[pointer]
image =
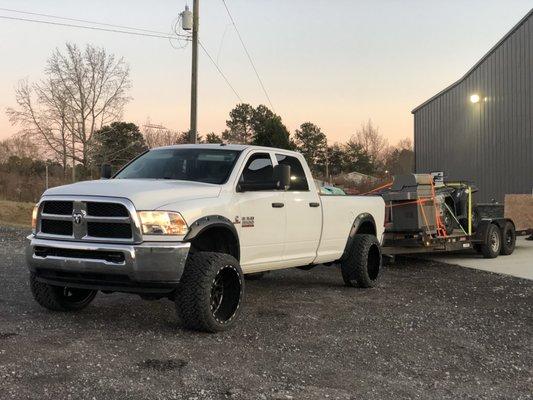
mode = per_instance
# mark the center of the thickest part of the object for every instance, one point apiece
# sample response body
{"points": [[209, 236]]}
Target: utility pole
{"points": [[193, 132], [73, 160], [73, 153], [46, 170]]}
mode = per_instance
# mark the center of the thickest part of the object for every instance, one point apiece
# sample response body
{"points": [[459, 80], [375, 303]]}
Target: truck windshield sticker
{"points": [[247, 222]]}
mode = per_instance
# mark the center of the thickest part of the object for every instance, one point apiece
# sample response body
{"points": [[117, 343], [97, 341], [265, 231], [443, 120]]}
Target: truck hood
{"points": [[146, 194]]}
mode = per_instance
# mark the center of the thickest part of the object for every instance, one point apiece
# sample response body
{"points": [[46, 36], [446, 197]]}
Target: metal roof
{"points": [[528, 15]]}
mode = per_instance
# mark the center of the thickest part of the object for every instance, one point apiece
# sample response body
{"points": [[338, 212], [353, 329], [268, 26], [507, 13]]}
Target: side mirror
{"points": [[282, 174], [105, 171]]}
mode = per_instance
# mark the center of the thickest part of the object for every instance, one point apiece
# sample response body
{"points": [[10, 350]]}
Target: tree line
{"points": [[366, 152], [71, 122]]}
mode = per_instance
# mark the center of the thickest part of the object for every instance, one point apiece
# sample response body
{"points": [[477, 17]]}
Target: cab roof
{"points": [[238, 147]]}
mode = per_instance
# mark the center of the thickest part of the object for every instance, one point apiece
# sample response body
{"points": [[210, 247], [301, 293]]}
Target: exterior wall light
{"points": [[474, 98]]}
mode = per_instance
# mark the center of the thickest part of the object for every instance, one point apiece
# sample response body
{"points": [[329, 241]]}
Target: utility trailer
{"points": [[425, 216], [492, 238]]}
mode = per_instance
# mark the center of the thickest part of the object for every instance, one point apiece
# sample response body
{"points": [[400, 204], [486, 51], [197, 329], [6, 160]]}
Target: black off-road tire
{"points": [[448, 221], [508, 238], [491, 247], [362, 266], [198, 301], [59, 298]]}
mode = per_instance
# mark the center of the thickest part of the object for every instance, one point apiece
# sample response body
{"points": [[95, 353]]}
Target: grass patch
{"points": [[14, 213]]}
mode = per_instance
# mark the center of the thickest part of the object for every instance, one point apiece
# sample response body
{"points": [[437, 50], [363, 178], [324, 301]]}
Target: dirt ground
{"points": [[428, 331], [15, 213]]}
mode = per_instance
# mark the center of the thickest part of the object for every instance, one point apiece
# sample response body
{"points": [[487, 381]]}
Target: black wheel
{"points": [[447, 220], [476, 219], [362, 266], [508, 238], [59, 298], [493, 242], [255, 276], [210, 292]]}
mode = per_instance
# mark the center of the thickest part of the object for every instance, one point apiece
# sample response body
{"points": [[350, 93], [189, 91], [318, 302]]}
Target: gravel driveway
{"points": [[428, 331]]}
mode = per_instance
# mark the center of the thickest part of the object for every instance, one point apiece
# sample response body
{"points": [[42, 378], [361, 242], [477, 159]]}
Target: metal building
{"points": [[481, 127]]}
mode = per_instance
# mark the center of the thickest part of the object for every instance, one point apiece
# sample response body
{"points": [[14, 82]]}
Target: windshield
{"points": [[199, 165]]}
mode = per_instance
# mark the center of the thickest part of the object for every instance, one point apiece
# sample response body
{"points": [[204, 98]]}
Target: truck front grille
{"points": [[87, 219], [54, 227], [106, 209], [110, 230], [58, 207]]}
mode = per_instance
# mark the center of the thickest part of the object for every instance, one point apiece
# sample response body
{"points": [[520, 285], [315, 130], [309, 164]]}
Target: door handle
{"points": [[314, 204], [278, 205]]}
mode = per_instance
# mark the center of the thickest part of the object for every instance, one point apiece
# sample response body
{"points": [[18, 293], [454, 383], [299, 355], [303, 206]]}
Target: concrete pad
{"points": [[519, 264]]}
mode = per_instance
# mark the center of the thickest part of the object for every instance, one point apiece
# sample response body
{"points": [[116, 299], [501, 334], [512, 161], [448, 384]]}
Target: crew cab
{"points": [[188, 222]]}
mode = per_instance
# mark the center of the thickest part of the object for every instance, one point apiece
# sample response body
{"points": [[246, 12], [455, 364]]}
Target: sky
{"points": [[335, 63]]}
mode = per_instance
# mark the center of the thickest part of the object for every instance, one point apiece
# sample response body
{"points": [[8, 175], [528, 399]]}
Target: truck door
{"points": [[261, 223], [304, 215]]}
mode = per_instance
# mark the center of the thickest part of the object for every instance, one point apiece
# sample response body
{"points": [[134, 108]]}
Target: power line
{"points": [[164, 36], [220, 71], [140, 32], [83, 20], [248, 54]]}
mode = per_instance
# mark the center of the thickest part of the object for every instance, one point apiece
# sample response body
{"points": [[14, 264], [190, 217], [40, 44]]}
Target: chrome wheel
{"points": [[495, 242]]}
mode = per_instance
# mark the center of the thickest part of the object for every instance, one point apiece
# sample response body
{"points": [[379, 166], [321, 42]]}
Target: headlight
{"points": [[34, 218], [162, 223]]}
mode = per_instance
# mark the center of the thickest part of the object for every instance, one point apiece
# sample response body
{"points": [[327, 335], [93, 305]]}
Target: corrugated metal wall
{"points": [[490, 142]]}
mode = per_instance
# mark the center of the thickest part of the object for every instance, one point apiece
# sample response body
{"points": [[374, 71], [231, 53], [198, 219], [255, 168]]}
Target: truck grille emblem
{"points": [[78, 217]]}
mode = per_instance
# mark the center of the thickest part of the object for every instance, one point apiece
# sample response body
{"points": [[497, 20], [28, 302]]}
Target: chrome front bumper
{"points": [[70, 262]]}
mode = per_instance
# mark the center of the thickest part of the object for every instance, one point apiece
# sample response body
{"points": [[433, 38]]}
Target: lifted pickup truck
{"points": [[187, 222]]}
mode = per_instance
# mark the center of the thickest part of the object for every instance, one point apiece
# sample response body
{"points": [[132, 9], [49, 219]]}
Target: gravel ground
{"points": [[428, 331]]}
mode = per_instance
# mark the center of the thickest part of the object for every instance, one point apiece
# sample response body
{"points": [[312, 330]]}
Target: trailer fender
{"points": [[483, 226]]}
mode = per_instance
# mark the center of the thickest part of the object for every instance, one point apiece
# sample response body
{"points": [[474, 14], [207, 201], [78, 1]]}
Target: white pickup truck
{"points": [[187, 222]]}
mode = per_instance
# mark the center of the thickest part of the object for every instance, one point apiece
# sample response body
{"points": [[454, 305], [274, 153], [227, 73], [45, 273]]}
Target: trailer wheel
{"points": [[447, 220], [508, 238], [362, 266], [492, 244], [210, 292]]}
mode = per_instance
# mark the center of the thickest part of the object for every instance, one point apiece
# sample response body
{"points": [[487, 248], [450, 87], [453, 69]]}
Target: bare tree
{"points": [[372, 142], [17, 146], [82, 91], [157, 137]]}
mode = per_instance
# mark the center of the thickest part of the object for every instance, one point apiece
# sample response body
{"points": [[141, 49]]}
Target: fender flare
{"points": [[211, 221], [483, 226], [358, 221]]}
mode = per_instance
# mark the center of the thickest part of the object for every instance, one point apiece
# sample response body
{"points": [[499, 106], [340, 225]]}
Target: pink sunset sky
{"points": [[336, 63]]}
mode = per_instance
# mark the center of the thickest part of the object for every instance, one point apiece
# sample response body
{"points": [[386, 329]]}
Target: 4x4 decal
{"points": [[247, 222]]}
